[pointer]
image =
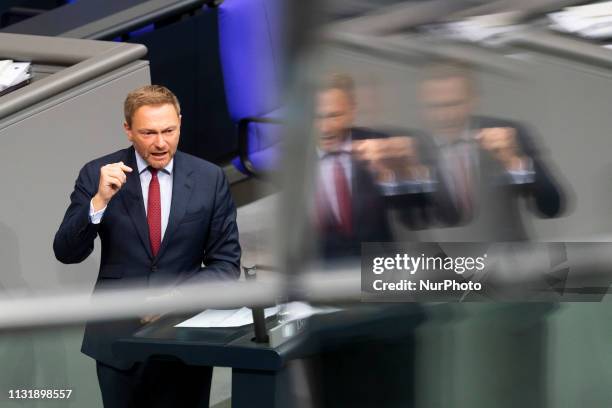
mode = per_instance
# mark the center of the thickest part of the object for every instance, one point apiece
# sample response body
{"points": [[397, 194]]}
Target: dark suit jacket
{"points": [[370, 223], [201, 231], [361, 133]]}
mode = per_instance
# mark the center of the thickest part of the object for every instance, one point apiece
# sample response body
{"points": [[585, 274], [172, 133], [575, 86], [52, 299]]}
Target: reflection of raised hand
{"points": [[396, 147], [389, 158], [112, 178], [502, 143]]}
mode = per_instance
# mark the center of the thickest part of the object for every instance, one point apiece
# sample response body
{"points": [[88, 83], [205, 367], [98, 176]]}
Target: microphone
{"points": [[259, 318]]}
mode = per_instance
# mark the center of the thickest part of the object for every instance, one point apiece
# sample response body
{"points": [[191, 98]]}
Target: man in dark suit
{"points": [[350, 209], [348, 205], [164, 219]]}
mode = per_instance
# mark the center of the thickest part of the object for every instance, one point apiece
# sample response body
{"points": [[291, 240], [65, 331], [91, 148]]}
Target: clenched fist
{"points": [[112, 178], [388, 158], [396, 147], [503, 146]]}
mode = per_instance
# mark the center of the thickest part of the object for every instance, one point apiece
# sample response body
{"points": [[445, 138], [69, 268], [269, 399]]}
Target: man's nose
{"points": [[325, 127], [159, 140]]}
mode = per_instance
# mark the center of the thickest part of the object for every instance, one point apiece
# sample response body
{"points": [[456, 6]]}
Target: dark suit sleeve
{"points": [[371, 211], [74, 240], [546, 196], [222, 250]]}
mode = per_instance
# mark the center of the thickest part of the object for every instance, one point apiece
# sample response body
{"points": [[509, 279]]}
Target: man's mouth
{"points": [[158, 154]]}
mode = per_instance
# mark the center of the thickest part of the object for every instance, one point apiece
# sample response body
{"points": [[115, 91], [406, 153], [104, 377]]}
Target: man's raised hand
{"points": [[112, 178], [502, 143]]}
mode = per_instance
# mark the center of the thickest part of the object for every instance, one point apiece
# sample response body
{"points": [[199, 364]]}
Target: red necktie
{"points": [[464, 186], [343, 194], [154, 212]]}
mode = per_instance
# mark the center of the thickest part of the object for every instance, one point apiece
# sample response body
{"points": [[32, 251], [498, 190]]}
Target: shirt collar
{"points": [[345, 148], [143, 165], [466, 136]]}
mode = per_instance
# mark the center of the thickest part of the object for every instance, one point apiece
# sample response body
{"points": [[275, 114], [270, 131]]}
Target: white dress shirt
{"points": [[165, 190], [458, 157]]}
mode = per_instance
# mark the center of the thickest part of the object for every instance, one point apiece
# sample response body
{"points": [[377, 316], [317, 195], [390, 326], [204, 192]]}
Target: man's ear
{"points": [[128, 131]]}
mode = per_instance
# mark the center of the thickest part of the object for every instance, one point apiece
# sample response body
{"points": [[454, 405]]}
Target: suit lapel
{"points": [[182, 188], [133, 201], [357, 198]]}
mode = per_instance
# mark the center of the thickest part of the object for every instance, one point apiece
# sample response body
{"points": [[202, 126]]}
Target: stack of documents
{"points": [[484, 29], [13, 75], [590, 21]]}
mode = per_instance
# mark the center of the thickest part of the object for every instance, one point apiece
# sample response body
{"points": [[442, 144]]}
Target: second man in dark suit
{"points": [[348, 205]]}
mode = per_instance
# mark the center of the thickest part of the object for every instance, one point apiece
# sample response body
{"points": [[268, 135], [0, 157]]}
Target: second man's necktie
{"points": [[343, 195]]}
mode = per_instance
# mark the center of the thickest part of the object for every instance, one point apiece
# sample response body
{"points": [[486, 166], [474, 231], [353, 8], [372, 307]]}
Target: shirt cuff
{"points": [[525, 175], [407, 187], [95, 216]]}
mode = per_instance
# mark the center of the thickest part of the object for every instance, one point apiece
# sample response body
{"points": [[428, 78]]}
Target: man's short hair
{"points": [[148, 95], [340, 81]]}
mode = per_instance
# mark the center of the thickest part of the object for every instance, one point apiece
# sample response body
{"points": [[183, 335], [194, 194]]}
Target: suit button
{"points": [[153, 268]]}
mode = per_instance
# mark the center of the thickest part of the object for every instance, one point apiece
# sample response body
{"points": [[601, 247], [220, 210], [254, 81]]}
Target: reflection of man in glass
{"points": [[348, 206], [482, 164]]}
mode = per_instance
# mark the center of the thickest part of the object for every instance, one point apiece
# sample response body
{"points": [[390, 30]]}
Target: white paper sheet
{"points": [[590, 21], [225, 317], [4, 64]]}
